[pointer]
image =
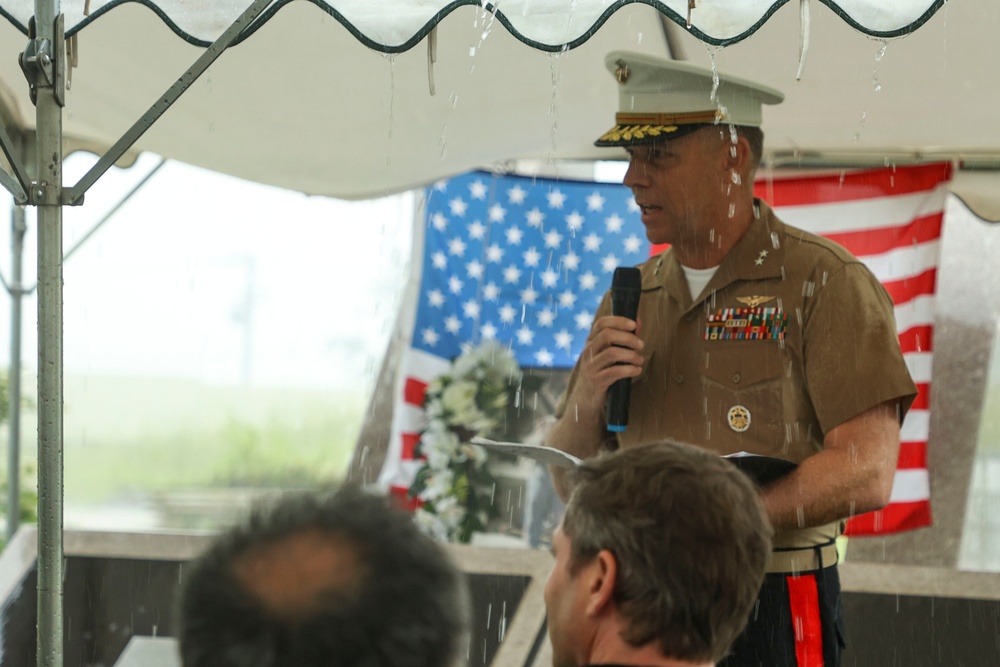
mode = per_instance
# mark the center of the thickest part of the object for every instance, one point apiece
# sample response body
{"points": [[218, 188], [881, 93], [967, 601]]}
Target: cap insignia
{"points": [[621, 71]]}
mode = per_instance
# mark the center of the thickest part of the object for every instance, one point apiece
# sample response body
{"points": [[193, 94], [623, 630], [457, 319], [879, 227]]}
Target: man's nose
{"points": [[635, 175]]}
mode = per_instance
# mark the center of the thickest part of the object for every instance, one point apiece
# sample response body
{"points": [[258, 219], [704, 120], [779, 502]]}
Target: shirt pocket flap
{"points": [[742, 364]]}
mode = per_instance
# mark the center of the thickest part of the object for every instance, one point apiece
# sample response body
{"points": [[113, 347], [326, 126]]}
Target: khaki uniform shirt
{"points": [[791, 337]]}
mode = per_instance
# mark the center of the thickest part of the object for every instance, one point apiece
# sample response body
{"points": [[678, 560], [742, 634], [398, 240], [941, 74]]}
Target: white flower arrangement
{"points": [[453, 484]]}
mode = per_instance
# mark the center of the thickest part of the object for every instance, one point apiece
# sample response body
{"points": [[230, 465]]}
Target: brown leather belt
{"points": [[805, 559]]}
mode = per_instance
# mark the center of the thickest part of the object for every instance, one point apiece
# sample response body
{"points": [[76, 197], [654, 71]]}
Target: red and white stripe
{"points": [[408, 420], [891, 220]]}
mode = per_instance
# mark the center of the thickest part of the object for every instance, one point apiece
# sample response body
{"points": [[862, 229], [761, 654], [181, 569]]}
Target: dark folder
{"points": [[761, 469]]}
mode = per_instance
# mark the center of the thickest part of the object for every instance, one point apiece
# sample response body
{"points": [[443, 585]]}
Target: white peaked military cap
{"points": [[660, 99]]}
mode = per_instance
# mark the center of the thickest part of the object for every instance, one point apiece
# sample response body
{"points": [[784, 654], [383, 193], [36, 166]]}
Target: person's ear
{"points": [[738, 154], [604, 578]]}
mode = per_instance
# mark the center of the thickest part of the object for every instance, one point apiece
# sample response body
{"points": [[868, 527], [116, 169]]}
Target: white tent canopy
{"points": [[393, 26], [312, 99]]}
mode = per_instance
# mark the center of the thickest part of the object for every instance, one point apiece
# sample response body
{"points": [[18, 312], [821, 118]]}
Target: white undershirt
{"points": [[697, 279]]}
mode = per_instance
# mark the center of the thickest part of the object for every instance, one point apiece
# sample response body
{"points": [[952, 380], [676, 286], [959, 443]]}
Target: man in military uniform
{"points": [[752, 336]]}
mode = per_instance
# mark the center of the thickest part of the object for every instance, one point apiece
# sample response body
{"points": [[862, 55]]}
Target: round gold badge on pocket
{"points": [[739, 418]]}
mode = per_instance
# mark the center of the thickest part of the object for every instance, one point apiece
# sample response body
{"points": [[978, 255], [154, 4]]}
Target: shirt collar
{"points": [[758, 255]]}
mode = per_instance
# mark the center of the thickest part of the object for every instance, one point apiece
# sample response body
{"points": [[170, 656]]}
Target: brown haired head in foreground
{"points": [[319, 580], [659, 558]]}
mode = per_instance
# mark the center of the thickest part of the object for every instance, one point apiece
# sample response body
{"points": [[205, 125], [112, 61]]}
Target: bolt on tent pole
{"points": [[49, 79]]}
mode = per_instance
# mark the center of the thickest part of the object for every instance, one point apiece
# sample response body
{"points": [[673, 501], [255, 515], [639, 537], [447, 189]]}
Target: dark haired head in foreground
{"points": [[335, 580], [659, 559]]}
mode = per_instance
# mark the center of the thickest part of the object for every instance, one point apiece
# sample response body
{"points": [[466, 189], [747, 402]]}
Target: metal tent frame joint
{"points": [[43, 62]]}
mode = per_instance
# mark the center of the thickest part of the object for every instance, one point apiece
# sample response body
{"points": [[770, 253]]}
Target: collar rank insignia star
{"points": [[754, 301], [760, 258]]}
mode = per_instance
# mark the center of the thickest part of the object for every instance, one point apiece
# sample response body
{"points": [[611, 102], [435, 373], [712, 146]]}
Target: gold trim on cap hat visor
{"points": [[696, 117], [621, 133]]}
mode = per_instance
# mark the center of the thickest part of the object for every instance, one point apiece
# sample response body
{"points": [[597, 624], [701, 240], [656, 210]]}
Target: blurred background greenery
{"points": [[160, 454]]}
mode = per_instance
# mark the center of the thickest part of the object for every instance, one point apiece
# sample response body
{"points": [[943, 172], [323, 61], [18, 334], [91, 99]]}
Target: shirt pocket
{"points": [[743, 391]]}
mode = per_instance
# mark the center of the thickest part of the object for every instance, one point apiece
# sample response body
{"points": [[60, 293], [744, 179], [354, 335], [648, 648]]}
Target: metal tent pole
{"points": [[44, 64], [17, 230], [50, 89]]}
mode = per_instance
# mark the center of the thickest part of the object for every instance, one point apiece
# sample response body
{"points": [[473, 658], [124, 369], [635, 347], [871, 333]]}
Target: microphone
{"points": [[626, 286]]}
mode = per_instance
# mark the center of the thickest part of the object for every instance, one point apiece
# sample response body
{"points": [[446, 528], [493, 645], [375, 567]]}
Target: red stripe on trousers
{"points": [[803, 598]]}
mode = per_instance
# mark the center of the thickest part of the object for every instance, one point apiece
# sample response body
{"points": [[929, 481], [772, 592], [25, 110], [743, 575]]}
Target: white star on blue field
{"points": [[522, 262]]}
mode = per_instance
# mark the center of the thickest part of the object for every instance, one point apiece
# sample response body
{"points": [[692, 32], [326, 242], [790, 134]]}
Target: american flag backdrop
{"points": [[891, 220], [526, 261]]}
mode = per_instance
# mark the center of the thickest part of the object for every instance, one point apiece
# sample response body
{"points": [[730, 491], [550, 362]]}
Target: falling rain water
{"points": [[876, 86], [712, 51], [391, 57], [489, 18], [502, 626], [555, 76]]}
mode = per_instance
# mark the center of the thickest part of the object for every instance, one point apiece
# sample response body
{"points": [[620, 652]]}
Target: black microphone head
{"points": [[626, 286], [627, 278]]}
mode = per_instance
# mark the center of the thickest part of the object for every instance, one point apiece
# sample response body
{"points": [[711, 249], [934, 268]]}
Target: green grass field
{"points": [[132, 436]]}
